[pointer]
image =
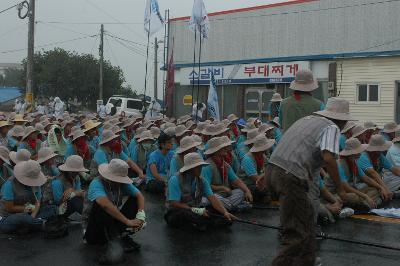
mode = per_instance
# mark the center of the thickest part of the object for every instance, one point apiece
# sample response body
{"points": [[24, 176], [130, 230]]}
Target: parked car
{"points": [[129, 106]]}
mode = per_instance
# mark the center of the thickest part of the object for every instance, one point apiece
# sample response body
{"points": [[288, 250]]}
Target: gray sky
{"points": [[13, 31]]}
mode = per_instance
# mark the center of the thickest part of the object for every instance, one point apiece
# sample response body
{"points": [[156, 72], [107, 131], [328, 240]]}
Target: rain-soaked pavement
{"points": [[239, 245]]}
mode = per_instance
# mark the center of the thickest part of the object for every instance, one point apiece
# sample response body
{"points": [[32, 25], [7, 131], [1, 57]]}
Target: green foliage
{"points": [[69, 74], [12, 78]]}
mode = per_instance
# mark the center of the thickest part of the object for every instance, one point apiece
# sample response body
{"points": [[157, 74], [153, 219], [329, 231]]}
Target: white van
{"points": [[129, 106]]}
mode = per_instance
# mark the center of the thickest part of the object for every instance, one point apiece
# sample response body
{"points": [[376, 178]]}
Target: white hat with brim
{"points": [[275, 121], [17, 132], [45, 154], [146, 135], [304, 81], [358, 130], [108, 136], [391, 127], [233, 118], [77, 134], [262, 143], [353, 147], [28, 131], [248, 127], [336, 109], [349, 125], [215, 130], [265, 128], [4, 155], [192, 160], [29, 174], [20, 156], [181, 130], [139, 132], [115, 171], [215, 145], [276, 98], [186, 144], [378, 143], [251, 136], [74, 163]]}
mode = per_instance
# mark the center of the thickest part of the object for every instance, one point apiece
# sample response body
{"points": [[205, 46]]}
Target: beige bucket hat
{"points": [[146, 135], [40, 128], [378, 143], [67, 122], [128, 122], [28, 131], [349, 125], [170, 131], [115, 171], [181, 130], [353, 146], [251, 136], [73, 129], [192, 160], [139, 132], [248, 127], [20, 156], [189, 124], [233, 118], [155, 131], [215, 129], [5, 155], [183, 119], [45, 154], [29, 174], [5, 124], [264, 128], [304, 81], [89, 125], [46, 123], [117, 130], [216, 144], [390, 127], [370, 125], [337, 109], [19, 118], [74, 163], [77, 134], [276, 98], [226, 122], [108, 136], [18, 131], [262, 143], [357, 131], [187, 143], [200, 128], [107, 126]]}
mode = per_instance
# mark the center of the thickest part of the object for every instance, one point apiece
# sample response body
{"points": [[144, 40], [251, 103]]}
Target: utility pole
{"points": [[155, 69], [31, 51], [101, 51]]}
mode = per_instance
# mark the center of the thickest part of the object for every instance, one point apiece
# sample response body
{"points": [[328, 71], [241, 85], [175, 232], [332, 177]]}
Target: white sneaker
{"points": [[346, 212]]}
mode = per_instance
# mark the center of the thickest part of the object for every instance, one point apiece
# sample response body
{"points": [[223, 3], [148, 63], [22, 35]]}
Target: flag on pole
{"points": [[199, 20], [170, 83], [153, 21], [212, 102]]}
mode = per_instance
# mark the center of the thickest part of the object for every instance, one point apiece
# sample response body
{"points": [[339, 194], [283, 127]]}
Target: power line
{"points": [[129, 48], [91, 23], [61, 28], [4, 10], [111, 51], [13, 29], [122, 39]]}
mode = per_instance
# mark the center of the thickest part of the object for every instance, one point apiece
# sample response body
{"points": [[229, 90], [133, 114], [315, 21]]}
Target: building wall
{"points": [[383, 71]]}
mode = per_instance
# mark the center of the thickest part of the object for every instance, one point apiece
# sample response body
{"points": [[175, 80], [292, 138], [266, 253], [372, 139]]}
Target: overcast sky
{"points": [[13, 31]]}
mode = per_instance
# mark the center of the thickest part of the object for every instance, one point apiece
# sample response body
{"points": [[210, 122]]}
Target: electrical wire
{"points": [[109, 49], [122, 39], [4, 10], [13, 30], [91, 23], [61, 28]]}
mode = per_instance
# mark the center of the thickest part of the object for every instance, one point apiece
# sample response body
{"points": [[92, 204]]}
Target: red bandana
{"points": [[82, 148], [374, 157], [229, 158], [222, 167], [32, 143], [260, 161], [235, 131], [297, 96], [352, 166], [116, 146]]}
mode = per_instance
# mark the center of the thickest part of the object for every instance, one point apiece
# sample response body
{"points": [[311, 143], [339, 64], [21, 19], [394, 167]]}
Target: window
{"points": [[134, 105], [368, 93], [116, 102]]}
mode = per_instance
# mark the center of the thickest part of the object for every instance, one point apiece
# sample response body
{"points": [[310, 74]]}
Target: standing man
{"points": [[301, 103], [310, 144]]}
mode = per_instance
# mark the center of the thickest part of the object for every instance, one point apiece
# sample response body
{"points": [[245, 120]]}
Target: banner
{"points": [[153, 21], [212, 101]]}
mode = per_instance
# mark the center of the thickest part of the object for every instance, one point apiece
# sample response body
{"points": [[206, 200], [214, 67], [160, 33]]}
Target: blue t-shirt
{"points": [[249, 166], [342, 142], [100, 156], [346, 178], [7, 191], [96, 190], [58, 188], [173, 168], [161, 161], [386, 136], [242, 151], [365, 163], [94, 143], [321, 182], [175, 193], [12, 143], [132, 147], [207, 173]]}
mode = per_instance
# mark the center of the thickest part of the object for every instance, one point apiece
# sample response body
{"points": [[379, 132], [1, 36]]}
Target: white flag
{"points": [[199, 20], [212, 102], [153, 21]]}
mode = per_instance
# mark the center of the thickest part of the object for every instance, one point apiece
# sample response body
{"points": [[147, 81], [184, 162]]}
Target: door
{"points": [[258, 102], [397, 114]]}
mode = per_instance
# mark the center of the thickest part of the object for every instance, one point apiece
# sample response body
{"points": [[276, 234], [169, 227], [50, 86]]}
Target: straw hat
{"points": [[215, 130], [349, 125], [139, 132], [20, 156], [276, 122], [357, 131], [108, 136], [200, 128], [73, 129], [45, 154], [226, 122], [146, 135], [40, 128], [170, 131], [232, 118], [304, 81], [337, 109], [19, 118], [115, 171], [262, 143], [187, 143], [66, 122], [77, 134], [378, 143], [74, 163], [370, 125], [29, 174], [197, 138], [28, 131], [353, 146], [216, 144], [192, 160], [248, 127], [155, 131], [5, 124], [147, 124], [276, 98], [181, 130], [5, 154], [390, 127], [18, 131], [251, 136], [264, 128], [90, 124]]}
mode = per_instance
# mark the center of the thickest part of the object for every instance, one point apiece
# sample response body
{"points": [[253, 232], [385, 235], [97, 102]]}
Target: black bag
{"points": [[56, 227]]}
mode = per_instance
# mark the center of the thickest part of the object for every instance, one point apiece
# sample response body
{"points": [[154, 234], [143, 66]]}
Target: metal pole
{"points": [[31, 51], [198, 80], [155, 69], [222, 100], [147, 67], [101, 51], [194, 65], [165, 61]]}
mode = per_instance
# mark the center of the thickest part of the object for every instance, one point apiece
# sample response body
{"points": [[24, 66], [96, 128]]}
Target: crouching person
{"points": [[114, 210], [20, 208], [187, 192]]}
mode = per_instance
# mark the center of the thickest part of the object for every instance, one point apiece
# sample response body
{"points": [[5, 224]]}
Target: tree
{"points": [[12, 77], [68, 75]]}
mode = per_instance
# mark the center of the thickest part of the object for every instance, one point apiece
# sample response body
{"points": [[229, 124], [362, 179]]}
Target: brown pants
{"points": [[297, 218]]}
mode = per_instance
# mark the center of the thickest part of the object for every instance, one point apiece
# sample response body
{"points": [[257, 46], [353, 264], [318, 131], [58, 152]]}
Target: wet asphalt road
{"points": [[239, 245]]}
